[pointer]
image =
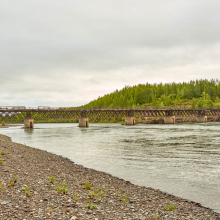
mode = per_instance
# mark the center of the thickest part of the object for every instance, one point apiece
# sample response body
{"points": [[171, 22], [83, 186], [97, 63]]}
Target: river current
{"points": [[181, 159]]}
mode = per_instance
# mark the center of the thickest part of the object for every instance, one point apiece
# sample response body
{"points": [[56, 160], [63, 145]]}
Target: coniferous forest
{"points": [[194, 94]]}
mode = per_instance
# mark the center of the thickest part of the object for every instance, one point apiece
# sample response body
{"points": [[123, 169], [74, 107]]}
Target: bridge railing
{"points": [[11, 108], [29, 108]]}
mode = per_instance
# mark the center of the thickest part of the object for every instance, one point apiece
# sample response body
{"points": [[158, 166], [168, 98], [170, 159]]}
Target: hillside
{"points": [[194, 94]]}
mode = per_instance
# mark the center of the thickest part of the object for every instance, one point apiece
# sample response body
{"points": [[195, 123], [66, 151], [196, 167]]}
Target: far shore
{"points": [[10, 125]]}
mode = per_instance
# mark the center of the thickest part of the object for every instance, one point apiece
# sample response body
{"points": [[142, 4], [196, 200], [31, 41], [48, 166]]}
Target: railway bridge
{"points": [[28, 115]]}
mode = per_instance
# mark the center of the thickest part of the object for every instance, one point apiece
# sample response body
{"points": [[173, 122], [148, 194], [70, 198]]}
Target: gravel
{"points": [[108, 198]]}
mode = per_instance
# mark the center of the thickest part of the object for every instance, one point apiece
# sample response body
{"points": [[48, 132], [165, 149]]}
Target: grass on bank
{"points": [[61, 188], [14, 181], [87, 186], [26, 190], [171, 207], [51, 179], [91, 206], [2, 187]]}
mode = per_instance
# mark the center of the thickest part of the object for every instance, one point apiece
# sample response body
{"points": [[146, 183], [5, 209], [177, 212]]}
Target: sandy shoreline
{"points": [[33, 167]]}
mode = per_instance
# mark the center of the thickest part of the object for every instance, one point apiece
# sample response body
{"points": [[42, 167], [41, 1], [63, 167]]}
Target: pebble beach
{"points": [[35, 184]]}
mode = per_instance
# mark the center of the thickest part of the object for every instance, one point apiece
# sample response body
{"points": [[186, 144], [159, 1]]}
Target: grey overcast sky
{"points": [[69, 52]]}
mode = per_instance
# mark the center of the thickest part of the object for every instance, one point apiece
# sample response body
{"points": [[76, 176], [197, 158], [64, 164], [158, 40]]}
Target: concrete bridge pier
{"points": [[201, 118], [83, 122], [216, 118], [169, 119], [130, 120], [29, 123]]}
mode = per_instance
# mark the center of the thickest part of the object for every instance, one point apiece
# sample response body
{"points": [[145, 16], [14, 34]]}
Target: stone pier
{"points": [[201, 119], [130, 120], [169, 119], [216, 118], [29, 123], [83, 122]]}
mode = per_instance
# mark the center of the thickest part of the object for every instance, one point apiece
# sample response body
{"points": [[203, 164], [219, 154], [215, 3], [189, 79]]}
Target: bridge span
{"points": [[28, 115]]}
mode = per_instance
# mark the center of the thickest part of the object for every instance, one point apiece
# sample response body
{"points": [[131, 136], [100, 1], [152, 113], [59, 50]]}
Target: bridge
{"points": [[28, 115]]}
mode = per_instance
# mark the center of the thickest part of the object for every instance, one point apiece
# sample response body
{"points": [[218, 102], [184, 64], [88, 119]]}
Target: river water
{"points": [[183, 160]]}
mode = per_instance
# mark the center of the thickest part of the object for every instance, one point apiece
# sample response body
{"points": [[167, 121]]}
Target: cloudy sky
{"points": [[69, 52]]}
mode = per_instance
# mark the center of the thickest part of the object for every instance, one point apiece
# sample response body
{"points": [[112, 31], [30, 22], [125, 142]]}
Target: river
{"points": [[181, 159]]}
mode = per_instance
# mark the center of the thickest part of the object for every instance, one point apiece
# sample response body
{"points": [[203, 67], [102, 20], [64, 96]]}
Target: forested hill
{"points": [[194, 94]]}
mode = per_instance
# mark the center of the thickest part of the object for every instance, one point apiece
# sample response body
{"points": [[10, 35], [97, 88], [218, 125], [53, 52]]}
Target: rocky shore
{"points": [[35, 184]]}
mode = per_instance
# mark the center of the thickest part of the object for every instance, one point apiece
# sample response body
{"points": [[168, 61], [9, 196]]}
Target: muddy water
{"points": [[183, 160]]}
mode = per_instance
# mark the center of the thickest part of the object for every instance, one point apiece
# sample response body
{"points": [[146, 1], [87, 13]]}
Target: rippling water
{"points": [[183, 160]]}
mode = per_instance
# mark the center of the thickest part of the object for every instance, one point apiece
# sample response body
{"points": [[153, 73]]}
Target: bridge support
{"points": [[201, 118], [83, 122], [130, 120], [28, 123], [216, 118], [169, 119]]}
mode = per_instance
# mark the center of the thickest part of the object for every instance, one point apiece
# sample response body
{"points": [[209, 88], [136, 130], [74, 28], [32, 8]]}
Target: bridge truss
{"points": [[18, 114]]}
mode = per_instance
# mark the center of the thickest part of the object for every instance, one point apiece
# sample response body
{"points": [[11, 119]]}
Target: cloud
{"points": [[66, 53]]}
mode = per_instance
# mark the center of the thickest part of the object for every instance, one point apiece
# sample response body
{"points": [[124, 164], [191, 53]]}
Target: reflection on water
{"points": [[183, 160], [29, 131]]}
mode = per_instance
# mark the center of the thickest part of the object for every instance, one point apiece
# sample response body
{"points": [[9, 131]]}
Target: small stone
{"points": [[4, 202], [89, 212]]}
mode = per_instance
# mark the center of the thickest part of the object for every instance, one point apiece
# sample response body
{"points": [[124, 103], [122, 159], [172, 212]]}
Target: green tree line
{"points": [[195, 94]]}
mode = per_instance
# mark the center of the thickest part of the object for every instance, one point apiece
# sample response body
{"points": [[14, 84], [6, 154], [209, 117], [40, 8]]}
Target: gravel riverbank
{"points": [[78, 192]]}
